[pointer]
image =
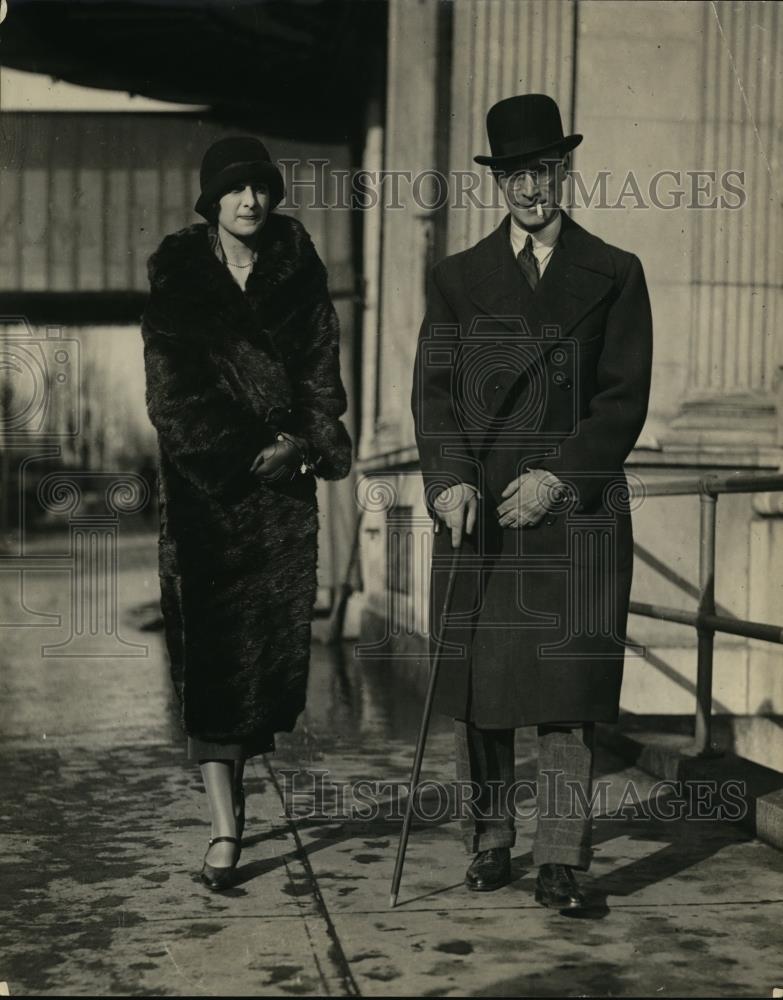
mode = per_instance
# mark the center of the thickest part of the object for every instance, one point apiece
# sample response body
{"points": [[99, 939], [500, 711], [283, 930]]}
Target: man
{"points": [[530, 389]]}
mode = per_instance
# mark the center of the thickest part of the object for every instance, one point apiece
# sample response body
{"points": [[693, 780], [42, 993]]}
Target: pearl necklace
{"points": [[231, 262]]}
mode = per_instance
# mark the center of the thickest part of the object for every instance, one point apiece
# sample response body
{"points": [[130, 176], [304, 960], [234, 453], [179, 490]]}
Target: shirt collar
{"points": [[543, 241]]}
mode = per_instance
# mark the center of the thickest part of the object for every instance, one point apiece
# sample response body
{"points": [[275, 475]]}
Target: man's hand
{"points": [[456, 507], [528, 497]]}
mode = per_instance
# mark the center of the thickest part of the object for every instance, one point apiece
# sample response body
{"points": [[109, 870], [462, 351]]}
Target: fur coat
{"points": [[227, 369]]}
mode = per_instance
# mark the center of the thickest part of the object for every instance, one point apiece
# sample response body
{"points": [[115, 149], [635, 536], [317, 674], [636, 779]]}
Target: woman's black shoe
{"points": [[220, 878], [557, 888]]}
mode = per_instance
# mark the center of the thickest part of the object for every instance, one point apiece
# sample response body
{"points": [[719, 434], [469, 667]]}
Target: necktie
{"points": [[527, 261]]}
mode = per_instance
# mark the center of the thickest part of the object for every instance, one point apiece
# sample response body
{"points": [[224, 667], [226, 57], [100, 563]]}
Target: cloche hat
{"points": [[233, 159]]}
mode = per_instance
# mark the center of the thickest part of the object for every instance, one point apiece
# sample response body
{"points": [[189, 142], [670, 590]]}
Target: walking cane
{"points": [[425, 722]]}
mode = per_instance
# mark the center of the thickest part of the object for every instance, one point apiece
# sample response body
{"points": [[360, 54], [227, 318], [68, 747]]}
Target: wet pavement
{"points": [[104, 824]]}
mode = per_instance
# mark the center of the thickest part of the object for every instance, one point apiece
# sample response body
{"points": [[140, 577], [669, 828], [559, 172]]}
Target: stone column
{"points": [[729, 410], [500, 49], [409, 153]]}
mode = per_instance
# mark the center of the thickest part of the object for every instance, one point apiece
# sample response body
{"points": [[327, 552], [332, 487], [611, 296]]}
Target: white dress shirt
{"points": [[543, 241]]}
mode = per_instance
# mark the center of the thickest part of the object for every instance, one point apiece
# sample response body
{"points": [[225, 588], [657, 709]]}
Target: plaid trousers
{"points": [[485, 758]]}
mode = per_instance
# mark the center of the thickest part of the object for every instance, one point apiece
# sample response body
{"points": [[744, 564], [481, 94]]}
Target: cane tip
{"points": [[392, 900]]}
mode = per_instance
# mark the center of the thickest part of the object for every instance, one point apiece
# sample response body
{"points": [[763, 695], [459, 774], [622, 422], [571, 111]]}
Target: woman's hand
{"points": [[279, 459]]}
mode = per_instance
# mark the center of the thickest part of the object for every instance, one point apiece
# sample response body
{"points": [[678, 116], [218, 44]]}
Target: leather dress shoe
{"points": [[489, 870], [219, 878], [557, 888]]}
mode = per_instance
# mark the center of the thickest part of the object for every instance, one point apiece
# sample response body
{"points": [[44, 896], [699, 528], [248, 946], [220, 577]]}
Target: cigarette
{"points": [[539, 210]]}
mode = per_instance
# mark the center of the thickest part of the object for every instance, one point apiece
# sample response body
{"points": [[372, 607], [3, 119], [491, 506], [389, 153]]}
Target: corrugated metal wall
{"points": [[85, 198]]}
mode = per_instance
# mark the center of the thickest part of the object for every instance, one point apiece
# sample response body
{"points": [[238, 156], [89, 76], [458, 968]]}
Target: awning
{"points": [[298, 68]]}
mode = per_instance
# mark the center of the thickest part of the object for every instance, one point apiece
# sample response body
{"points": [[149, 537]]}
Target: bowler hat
{"points": [[523, 128], [233, 159]]}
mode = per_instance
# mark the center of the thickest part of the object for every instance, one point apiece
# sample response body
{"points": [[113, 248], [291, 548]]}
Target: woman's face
{"points": [[243, 209]]}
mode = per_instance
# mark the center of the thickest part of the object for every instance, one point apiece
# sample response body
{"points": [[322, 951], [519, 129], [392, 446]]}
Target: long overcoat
{"points": [[509, 379], [226, 370]]}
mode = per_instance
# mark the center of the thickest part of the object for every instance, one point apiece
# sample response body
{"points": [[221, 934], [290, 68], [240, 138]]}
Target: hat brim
{"points": [[225, 179], [564, 145]]}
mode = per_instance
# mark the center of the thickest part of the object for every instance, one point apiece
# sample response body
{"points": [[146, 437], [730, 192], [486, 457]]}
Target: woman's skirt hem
{"points": [[199, 749]]}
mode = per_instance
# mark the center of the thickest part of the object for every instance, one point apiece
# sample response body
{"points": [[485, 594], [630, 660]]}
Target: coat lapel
{"points": [[493, 279], [579, 274]]}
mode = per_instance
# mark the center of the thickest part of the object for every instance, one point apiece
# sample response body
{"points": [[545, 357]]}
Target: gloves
{"points": [[285, 457]]}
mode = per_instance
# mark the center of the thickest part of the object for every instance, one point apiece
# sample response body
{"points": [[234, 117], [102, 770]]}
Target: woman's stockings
{"points": [[239, 773], [218, 778]]}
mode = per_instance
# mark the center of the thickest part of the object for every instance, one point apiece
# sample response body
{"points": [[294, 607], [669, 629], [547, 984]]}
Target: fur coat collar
{"points": [[193, 296]]}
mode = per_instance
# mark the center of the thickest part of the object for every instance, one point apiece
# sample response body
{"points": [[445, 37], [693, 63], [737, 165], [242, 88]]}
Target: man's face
{"points": [[530, 184], [243, 209]]}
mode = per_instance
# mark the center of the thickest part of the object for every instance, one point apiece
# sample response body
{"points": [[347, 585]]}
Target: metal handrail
{"points": [[706, 621], [714, 485]]}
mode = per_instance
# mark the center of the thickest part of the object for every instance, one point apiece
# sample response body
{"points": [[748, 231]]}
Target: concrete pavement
{"points": [[103, 826]]}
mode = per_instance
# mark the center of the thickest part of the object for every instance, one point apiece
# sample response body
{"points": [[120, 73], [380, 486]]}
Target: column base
{"points": [[732, 430]]}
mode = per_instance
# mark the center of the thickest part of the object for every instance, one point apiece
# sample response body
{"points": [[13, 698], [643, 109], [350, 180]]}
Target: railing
{"points": [[705, 620]]}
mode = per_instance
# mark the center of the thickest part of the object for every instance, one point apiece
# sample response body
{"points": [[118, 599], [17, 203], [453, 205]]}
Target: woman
{"points": [[243, 387]]}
